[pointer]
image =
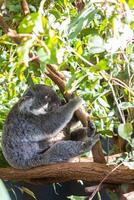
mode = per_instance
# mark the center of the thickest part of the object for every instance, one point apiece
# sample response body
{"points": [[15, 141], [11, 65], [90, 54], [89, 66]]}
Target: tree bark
{"points": [[92, 172]]}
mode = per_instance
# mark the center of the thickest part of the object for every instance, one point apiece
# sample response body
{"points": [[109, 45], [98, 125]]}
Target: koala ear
{"points": [[29, 93]]}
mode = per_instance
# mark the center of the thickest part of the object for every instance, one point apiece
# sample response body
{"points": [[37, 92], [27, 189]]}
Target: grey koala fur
{"points": [[31, 128]]}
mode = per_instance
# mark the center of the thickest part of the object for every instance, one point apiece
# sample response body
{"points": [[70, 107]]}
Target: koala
{"points": [[32, 126]]}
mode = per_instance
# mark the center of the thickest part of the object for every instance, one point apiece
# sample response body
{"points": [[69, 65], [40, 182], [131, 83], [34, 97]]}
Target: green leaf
{"points": [[96, 45], [126, 105], [23, 51], [55, 13], [100, 66], [107, 133], [131, 3], [43, 56], [132, 142], [103, 103], [112, 195], [72, 197], [4, 195], [28, 23], [125, 131], [3, 162], [81, 21]]}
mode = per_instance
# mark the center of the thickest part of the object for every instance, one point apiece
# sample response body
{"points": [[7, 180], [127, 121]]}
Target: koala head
{"points": [[39, 99]]}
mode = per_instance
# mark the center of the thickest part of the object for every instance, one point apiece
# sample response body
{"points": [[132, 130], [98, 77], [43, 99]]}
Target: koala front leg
{"points": [[45, 126], [55, 121]]}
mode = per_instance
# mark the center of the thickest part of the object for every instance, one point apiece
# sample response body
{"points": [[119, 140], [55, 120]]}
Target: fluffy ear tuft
{"points": [[29, 93]]}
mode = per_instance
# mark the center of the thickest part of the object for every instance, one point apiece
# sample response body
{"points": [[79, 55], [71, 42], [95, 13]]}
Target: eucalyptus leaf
{"points": [[103, 102], [102, 65], [28, 23], [73, 197], [96, 45], [125, 131], [4, 195], [126, 105], [75, 27], [43, 56], [107, 133]]}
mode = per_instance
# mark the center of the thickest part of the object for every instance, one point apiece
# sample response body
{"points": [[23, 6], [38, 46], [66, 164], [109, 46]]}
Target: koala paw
{"points": [[89, 143]]}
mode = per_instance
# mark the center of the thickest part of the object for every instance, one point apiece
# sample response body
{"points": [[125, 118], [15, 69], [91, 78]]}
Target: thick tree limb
{"points": [[92, 172]]}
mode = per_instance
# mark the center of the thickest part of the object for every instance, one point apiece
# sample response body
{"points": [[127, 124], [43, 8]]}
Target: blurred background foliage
{"points": [[91, 42]]}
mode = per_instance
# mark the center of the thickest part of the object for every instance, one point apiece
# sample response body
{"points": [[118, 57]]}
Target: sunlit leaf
{"points": [[23, 51], [81, 21], [131, 3], [102, 65], [103, 103], [125, 131], [96, 45], [27, 24], [126, 105], [4, 195], [43, 56]]}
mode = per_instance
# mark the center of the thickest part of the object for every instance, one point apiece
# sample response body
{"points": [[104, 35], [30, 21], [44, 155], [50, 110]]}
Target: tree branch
{"points": [[92, 172], [25, 7]]}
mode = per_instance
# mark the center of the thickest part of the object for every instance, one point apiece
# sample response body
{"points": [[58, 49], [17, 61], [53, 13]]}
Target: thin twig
{"points": [[98, 187], [25, 7], [116, 101]]}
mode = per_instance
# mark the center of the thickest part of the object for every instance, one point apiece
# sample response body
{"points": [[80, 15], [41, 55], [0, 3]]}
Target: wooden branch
{"points": [[55, 71], [92, 172], [25, 7], [98, 153], [7, 30], [3, 25], [79, 5]]}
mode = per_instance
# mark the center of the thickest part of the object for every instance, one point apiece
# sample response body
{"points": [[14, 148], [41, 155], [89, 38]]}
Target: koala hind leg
{"points": [[60, 152]]}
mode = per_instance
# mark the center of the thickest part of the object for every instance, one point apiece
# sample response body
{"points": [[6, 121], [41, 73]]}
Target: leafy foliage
{"points": [[93, 47], [3, 191]]}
